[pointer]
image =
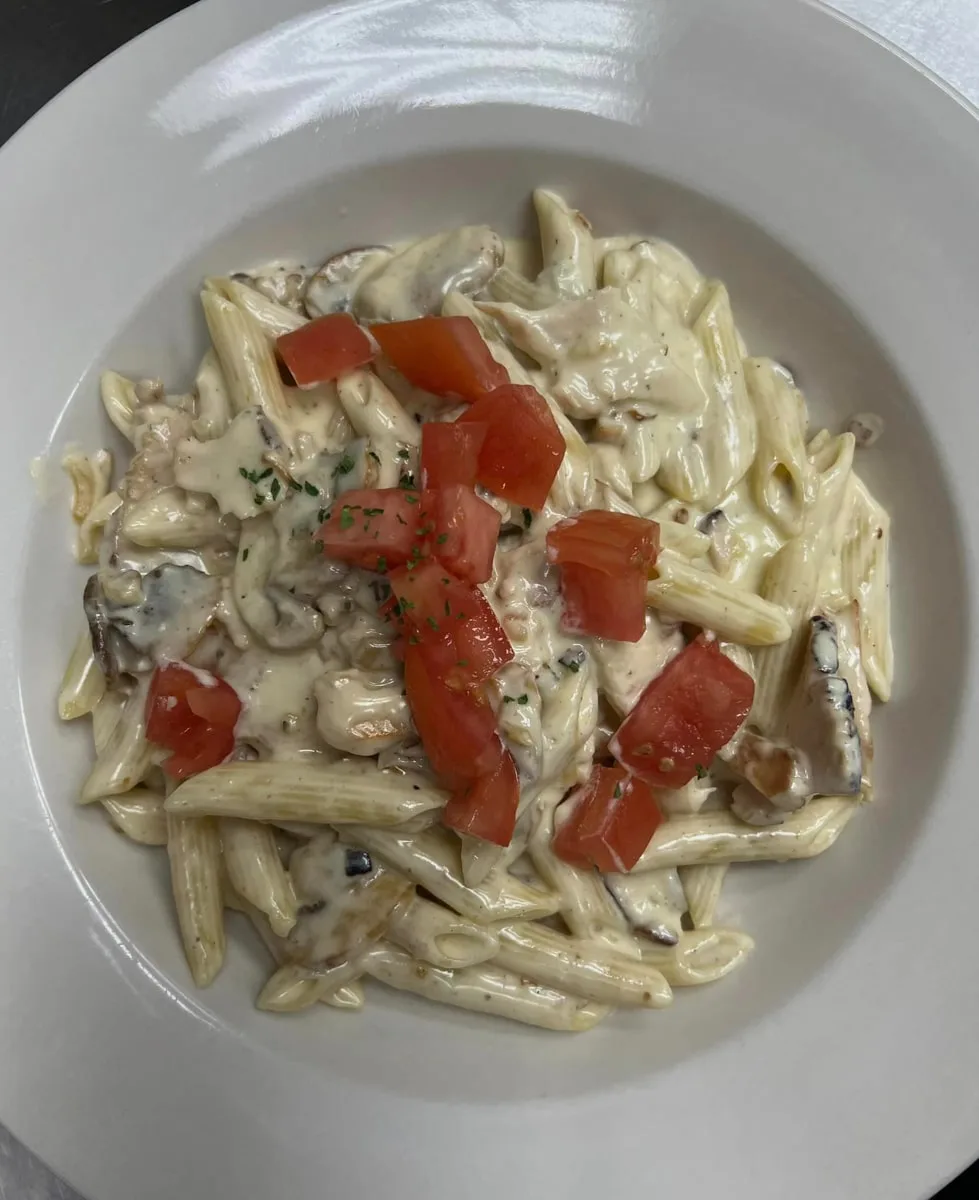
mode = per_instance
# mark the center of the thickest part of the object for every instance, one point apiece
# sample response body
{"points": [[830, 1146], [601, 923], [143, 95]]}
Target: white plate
{"points": [[842, 1062]]}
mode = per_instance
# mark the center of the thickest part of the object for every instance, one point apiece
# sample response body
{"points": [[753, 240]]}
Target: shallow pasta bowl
{"points": [[833, 187]]}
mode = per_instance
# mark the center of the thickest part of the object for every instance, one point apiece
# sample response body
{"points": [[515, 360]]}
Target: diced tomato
{"points": [[324, 349], [607, 606], [374, 528], [450, 452], [487, 808], [684, 716], [523, 448], [443, 355], [604, 541], [457, 729], [453, 621], [193, 714], [612, 818], [464, 531]]}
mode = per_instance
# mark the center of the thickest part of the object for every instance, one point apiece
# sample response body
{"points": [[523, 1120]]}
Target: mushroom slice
{"points": [[158, 617], [822, 721], [345, 907], [750, 806], [361, 712], [333, 288], [415, 282]]}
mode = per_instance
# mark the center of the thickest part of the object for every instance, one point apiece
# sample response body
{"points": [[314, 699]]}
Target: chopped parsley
{"points": [[375, 457], [265, 474], [431, 621], [572, 660], [442, 539], [382, 563], [401, 519], [344, 466], [296, 487], [373, 512], [311, 489], [410, 499], [404, 454], [323, 515], [617, 794], [274, 488], [507, 699], [244, 555], [701, 771], [259, 498], [346, 517], [448, 609], [407, 480], [528, 518]]}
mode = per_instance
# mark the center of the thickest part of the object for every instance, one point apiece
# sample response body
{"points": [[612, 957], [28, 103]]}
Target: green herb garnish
{"points": [[344, 466], [346, 517], [311, 489], [528, 518]]}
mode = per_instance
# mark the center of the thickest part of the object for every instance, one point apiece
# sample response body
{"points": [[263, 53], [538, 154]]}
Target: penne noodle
{"points": [[582, 968], [105, 717], [83, 684], [194, 849], [272, 318], [567, 246], [865, 577], [374, 411], [432, 860], [256, 871], [686, 593], [140, 815], [120, 402], [126, 756], [293, 988], [783, 480], [439, 936], [702, 887], [339, 793], [703, 956], [484, 989], [720, 837], [213, 402]]}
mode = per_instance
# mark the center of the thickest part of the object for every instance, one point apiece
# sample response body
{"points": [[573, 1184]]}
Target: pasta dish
{"points": [[473, 613]]}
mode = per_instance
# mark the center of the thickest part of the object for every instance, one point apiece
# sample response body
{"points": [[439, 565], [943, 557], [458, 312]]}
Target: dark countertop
{"points": [[44, 45]]}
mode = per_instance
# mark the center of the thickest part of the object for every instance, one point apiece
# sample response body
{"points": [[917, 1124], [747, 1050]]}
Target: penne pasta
{"points": [[865, 577], [720, 837], [126, 756], [703, 956], [339, 793], [140, 815], [567, 246], [432, 861], [532, 951], [783, 480], [194, 849], [272, 318], [484, 989], [83, 684], [686, 593], [702, 887], [439, 936], [256, 871]]}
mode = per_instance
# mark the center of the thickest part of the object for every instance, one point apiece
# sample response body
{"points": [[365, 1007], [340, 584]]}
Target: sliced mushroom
{"points": [[158, 617], [822, 721], [750, 806], [342, 912], [415, 282], [333, 288], [361, 712]]}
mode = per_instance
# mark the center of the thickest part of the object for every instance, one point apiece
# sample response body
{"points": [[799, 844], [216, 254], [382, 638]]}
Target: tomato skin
{"points": [[613, 817], [464, 531], [443, 355], [487, 808], [684, 716], [453, 620], [450, 453], [457, 729], [606, 606], [604, 541], [192, 717], [523, 448], [324, 349], [374, 528]]}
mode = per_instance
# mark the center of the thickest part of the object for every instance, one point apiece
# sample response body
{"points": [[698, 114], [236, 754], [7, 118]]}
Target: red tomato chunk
{"points": [[684, 716], [606, 606], [463, 530], [450, 453], [453, 620], [193, 714], [324, 349], [612, 818], [374, 528], [443, 355], [487, 808], [523, 448], [604, 541], [457, 729]]}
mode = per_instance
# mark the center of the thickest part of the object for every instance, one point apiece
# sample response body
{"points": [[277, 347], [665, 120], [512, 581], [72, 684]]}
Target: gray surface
{"points": [[46, 43]]}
